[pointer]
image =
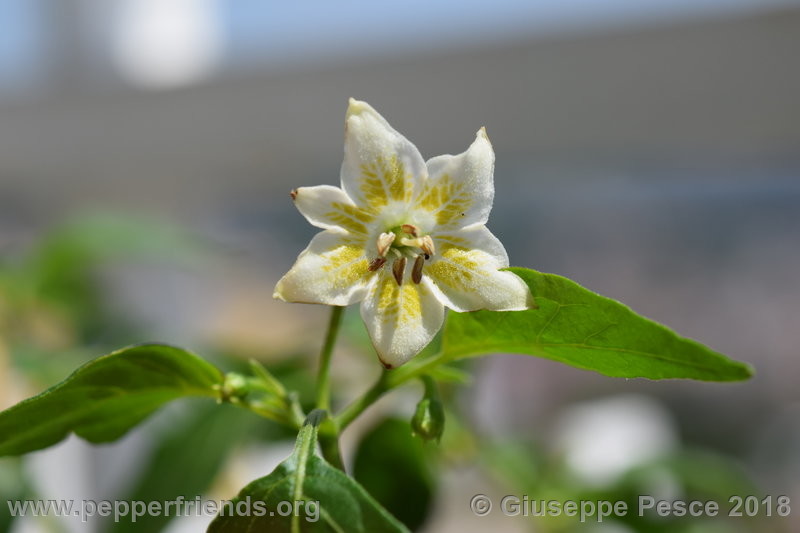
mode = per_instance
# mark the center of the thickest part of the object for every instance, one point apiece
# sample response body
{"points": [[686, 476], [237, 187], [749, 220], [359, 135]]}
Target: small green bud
{"points": [[234, 388], [428, 420]]}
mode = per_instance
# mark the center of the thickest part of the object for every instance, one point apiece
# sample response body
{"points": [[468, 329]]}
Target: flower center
{"points": [[401, 243]]}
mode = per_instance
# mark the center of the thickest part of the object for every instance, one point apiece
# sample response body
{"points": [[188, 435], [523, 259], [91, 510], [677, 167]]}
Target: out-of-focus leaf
{"points": [[13, 487], [186, 461], [697, 476], [450, 374], [520, 464], [390, 464], [100, 236], [305, 478], [703, 474], [580, 328], [106, 397]]}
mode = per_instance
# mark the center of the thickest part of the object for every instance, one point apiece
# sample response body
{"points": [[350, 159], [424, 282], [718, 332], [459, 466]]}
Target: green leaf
{"points": [[106, 397], [305, 478], [14, 487], [390, 464], [580, 328]]}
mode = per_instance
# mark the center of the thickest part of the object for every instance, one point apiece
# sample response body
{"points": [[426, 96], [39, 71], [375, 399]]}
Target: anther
{"points": [[293, 194], [398, 269], [385, 241], [427, 246], [376, 263], [410, 229], [416, 272]]}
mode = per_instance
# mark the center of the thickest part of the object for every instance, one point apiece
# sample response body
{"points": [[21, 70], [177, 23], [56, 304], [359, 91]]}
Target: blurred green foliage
{"points": [[53, 312], [186, 460], [55, 315], [393, 466], [684, 474]]}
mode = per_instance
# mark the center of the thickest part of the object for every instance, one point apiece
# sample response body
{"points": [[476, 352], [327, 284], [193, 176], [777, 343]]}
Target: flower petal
{"points": [[401, 319], [333, 270], [460, 188], [328, 207], [465, 273], [380, 165]]}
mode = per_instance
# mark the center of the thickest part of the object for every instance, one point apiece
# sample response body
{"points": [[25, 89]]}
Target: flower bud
{"points": [[428, 420], [234, 388]]}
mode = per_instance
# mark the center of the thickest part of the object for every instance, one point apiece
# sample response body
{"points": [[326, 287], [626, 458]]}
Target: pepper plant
{"points": [[407, 240]]}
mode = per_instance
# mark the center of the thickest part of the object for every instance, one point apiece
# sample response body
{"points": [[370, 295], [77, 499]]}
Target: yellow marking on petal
{"points": [[384, 181], [412, 308], [447, 199], [399, 303], [340, 256], [450, 241], [346, 265], [456, 268], [389, 293], [350, 217]]}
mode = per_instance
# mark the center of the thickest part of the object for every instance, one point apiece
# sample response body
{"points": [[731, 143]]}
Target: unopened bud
{"points": [[428, 420], [233, 388]]}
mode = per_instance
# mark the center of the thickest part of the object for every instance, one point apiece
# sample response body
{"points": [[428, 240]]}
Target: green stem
{"points": [[329, 444], [352, 411], [431, 390], [388, 380], [324, 377], [296, 414]]}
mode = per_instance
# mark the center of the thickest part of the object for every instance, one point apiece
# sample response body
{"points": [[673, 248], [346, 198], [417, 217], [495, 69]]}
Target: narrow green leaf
{"points": [[106, 397], [285, 501], [580, 328]]}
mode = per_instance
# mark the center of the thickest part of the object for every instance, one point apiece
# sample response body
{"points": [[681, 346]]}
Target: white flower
{"points": [[404, 237]]}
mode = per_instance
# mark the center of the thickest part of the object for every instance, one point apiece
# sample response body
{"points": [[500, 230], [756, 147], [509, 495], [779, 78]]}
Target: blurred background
{"points": [[648, 150]]}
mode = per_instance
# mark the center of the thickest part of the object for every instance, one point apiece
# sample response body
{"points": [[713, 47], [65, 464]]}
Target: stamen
{"points": [[427, 245], [398, 269], [416, 272], [410, 229], [376, 263], [385, 241]]}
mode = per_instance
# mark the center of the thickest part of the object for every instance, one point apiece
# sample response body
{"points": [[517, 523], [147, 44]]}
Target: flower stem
{"points": [[323, 377], [387, 381], [352, 411], [329, 443]]}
